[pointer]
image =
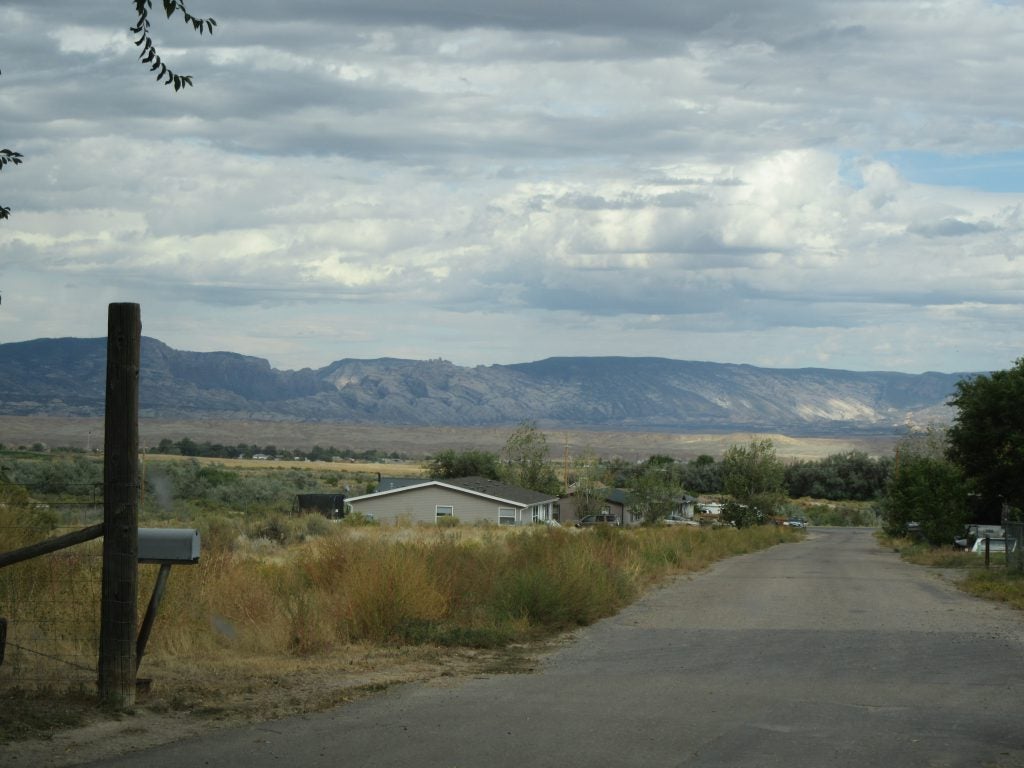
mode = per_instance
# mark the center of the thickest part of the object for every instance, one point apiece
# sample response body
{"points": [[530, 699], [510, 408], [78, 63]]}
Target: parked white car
{"points": [[994, 545]]}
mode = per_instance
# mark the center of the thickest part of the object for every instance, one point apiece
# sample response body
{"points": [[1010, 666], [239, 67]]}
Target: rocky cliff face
{"points": [[66, 377]]}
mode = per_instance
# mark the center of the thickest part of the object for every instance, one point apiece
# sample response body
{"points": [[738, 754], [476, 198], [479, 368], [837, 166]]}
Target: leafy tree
{"points": [[587, 490], [654, 492], [188, 447], [526, 460], [450, 463], [617, 471], [926, 488], [841, 476], [754, 477], [703, 475], [987, 436]]}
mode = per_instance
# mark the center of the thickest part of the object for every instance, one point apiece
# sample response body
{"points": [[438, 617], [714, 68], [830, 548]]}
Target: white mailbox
{"points": [[168, 545]]}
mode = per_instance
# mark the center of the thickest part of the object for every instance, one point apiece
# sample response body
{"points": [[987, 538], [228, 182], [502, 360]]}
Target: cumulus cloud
{"points": [[732, 181]]}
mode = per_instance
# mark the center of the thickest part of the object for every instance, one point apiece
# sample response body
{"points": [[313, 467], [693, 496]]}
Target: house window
{"points": [[506, 516], [440, 511]]}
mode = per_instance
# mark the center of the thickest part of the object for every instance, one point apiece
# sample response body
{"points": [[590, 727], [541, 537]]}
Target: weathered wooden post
{"points": [[120, 508]]}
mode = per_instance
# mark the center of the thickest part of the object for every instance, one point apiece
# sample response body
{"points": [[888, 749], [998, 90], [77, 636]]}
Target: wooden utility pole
{"points": [[120, 508]]}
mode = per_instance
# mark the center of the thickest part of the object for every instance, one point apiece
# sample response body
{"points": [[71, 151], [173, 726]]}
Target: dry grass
{"points": [[256, 631], [996, 582]]}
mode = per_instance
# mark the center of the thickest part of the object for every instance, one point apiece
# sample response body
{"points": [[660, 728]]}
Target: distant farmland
{"points": [[419, 442]]}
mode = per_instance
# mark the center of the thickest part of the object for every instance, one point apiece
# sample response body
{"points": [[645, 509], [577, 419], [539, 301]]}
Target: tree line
{"points": [[757, 482], [851, 476], [188, 447], [971, 472]]}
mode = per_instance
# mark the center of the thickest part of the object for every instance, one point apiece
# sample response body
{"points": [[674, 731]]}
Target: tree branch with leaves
{"points": [[149, 54], [8, 157]]}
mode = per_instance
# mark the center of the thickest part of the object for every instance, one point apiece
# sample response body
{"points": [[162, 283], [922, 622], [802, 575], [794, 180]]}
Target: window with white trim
{"points": [[506, 516], [443, 511]]}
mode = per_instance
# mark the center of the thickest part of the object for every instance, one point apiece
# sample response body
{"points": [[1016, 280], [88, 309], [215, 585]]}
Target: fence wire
{"points": [[51, 605], [1014, 541]]}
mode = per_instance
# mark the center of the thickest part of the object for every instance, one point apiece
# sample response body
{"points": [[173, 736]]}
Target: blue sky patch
{"points": [[999, 172]]}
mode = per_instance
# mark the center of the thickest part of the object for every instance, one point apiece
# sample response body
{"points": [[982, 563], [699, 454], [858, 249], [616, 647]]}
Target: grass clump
{"points": [[1000, 585]]}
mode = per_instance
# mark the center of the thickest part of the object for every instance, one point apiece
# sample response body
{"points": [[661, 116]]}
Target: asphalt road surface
{"points": [[830, 652]]}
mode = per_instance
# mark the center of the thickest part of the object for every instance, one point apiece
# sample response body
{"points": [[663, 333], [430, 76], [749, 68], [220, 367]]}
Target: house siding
{"points": [[419, 505]]}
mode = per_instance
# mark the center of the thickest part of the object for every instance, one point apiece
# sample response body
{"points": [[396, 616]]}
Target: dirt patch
{"points": [[188, 699]]}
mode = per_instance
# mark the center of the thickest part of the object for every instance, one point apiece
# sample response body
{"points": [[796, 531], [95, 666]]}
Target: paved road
{"points": [[826, 653]]}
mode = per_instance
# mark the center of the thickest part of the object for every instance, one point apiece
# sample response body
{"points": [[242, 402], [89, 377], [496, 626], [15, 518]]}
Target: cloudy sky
{"points": [[787, 184]]}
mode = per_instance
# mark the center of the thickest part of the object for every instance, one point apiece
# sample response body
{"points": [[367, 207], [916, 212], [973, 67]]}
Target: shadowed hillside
{"points": [[65, 377]]}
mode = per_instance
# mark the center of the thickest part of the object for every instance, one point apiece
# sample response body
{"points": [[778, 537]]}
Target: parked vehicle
{"points": [[974, 533], [994, 545], [590, 520], [796, 522]]}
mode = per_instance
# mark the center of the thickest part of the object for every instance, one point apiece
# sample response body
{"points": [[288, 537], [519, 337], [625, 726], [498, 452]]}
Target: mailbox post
{"points": [[166, 547]]}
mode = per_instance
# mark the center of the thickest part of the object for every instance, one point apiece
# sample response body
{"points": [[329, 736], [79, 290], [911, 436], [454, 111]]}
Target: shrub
{"points": [[357, 519]]}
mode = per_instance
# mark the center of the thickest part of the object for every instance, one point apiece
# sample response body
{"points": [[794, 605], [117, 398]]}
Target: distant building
{"points": [[469, 499]]}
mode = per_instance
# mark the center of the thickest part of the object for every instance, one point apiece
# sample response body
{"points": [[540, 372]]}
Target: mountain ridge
{"points": [[66, 377]]}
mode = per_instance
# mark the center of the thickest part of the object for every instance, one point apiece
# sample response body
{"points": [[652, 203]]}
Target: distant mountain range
{"points": [[66, 377]]}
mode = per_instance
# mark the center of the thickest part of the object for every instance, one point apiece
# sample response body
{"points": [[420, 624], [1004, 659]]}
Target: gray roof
{"points": [[391, 483], [502, 490]]}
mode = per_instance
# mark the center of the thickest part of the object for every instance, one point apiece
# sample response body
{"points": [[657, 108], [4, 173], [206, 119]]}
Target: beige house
{"points": [[469, 499]]}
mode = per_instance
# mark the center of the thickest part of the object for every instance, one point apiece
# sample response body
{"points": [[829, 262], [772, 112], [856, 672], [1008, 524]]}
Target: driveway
{"points": [[830, 652]]}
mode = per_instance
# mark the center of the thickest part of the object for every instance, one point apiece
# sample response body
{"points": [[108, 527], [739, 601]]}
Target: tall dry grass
{"points": [[306, 595], [51, 603], [481, 587]]}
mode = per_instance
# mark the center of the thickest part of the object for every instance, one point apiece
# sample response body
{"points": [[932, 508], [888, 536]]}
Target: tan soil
{"points": [[204, 697]]}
